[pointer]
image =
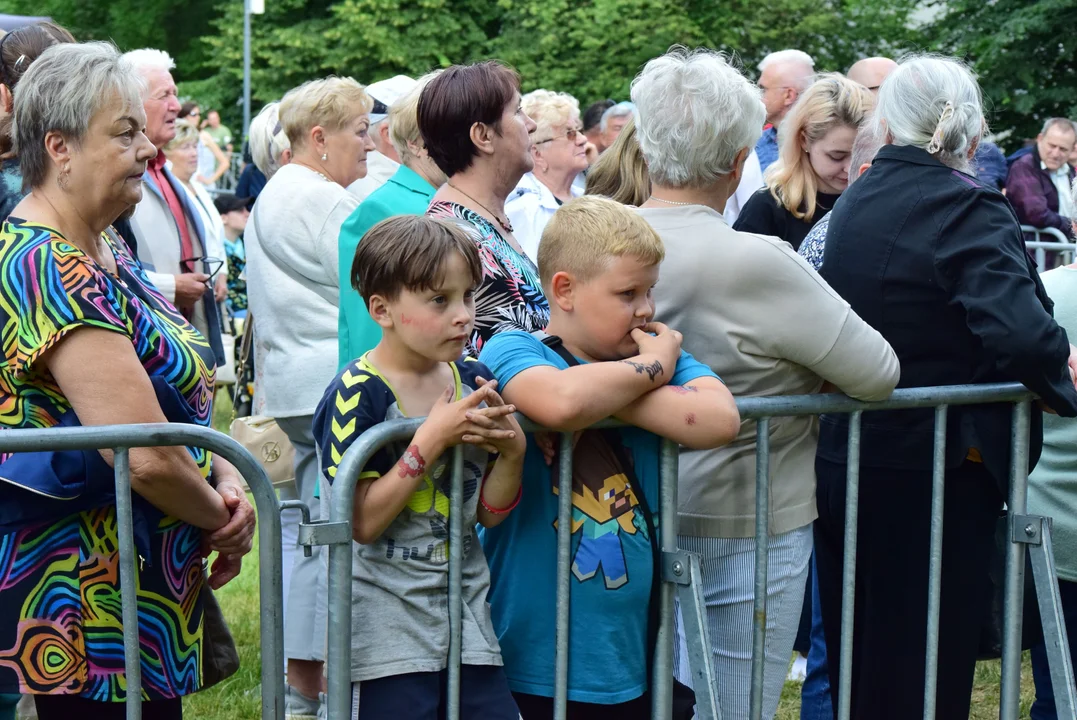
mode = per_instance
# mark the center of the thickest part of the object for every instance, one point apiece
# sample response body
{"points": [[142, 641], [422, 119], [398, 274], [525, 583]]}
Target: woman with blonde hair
{"points": [[621, 172], [812, 171], [559, 148]]}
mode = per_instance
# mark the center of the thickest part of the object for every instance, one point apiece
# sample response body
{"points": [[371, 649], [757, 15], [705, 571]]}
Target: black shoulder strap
{"points": [[613, 440]]}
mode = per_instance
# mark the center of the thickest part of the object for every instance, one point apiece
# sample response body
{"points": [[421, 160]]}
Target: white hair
{"points": [[267, 140], [62, 92], [621, 109], [148, 59], [799, 59], [695, 113], [1063, 124], [933, 103]]}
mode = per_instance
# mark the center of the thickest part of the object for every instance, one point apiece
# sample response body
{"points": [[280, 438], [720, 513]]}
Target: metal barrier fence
{"points": [[1060, 244], [121, 438], [680, 571]]}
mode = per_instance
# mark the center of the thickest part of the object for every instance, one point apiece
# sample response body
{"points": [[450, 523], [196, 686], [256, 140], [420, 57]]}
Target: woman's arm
{"points": [[223, 161], [101, 376]]}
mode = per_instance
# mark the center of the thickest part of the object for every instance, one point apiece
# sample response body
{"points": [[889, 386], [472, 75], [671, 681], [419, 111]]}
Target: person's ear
{"points": [[379, 311], [973, 148], [317, 139], [59, 149], [738, 164], [863, 169], [285, 156], [7, 100], [563, 290], [482, 136], [383, 133]]}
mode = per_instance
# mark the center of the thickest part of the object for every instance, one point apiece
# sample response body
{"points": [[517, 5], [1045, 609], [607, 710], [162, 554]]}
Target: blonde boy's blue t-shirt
{"points": [[611, 557]]}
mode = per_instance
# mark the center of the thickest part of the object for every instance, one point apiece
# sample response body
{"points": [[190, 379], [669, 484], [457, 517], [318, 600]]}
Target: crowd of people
{"points": [[452, 248]]}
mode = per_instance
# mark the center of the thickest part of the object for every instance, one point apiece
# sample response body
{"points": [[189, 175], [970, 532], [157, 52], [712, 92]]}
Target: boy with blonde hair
{"points": [[601, 356], [418, 276]]}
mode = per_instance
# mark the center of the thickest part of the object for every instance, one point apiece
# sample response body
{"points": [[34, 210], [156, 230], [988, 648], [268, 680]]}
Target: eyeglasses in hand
{"points": [[213, 265]]}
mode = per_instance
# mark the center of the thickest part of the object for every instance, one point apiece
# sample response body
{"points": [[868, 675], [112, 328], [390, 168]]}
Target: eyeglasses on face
{"points": [[571, 134]]}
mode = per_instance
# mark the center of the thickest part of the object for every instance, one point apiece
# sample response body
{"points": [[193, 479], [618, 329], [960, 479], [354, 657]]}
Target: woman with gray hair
{"points": [[935, 261], [751, 309], [89, 340]]}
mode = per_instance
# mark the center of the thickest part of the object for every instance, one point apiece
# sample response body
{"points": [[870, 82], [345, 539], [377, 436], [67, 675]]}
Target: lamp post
{"points": [[250, 7]]}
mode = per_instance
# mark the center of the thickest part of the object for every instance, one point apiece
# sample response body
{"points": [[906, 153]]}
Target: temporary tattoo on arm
{"points": [[690, 419], [652, 370], [411, 463], [681, 389]]}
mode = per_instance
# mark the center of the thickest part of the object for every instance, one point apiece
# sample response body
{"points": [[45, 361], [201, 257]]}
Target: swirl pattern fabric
{"points": [[61, 630]]}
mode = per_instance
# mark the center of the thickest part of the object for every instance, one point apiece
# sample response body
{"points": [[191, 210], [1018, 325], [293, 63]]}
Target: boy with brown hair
{"points": [[417, 276], [601, 356]]}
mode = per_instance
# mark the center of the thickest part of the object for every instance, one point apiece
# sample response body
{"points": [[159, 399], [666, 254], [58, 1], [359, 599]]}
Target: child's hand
{"points": [[500, 433], [447, 424], [665, 345], [549, 443]]}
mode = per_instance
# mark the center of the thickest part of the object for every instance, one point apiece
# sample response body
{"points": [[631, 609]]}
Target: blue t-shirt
{"points": [[611, 555]]}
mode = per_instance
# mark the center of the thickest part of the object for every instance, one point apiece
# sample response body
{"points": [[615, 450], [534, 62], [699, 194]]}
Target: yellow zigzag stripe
{"points": [[346, 406], [351, 381], [337, 457], [343, 433]]}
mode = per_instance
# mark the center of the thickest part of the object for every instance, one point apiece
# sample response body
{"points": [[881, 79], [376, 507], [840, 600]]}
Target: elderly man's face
{"points": [[162, 107], [614, 126], [779, 92], [1055, 146]]}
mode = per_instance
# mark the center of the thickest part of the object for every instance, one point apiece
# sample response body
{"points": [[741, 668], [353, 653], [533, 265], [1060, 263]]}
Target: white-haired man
{"points": [[783, 76], [383, 162], [170, 235]]}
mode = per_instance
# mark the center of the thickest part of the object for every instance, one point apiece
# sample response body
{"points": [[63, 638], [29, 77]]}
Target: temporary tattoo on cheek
{"points": [[652, 370], [681, 390], [404, 319], [690, 419], [411, 463]]}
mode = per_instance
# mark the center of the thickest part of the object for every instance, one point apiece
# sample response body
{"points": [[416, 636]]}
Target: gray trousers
{"points": [[305, 614]]}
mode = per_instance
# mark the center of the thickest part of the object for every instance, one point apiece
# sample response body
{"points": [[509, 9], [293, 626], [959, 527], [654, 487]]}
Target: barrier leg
{"points": [[1015, 568], [848, 570], [934, 583], [128, 560], [564, 587], [662, 677], [683, 569], [456, 578], [1036, 533], [762, 541]]}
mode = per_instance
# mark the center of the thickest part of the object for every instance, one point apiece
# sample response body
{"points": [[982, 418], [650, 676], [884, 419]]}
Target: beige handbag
{"points": [[260, 435]]}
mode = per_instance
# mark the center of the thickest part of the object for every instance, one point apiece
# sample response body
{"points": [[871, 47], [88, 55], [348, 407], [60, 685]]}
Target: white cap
{"points": [[387, 92]]}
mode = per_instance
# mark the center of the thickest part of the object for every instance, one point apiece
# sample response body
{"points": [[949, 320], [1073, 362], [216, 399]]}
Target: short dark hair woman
{"points": [[476, 131]]}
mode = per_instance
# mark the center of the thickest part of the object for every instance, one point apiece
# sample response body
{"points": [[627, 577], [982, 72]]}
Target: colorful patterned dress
{"points": [[510, 296], [60, 621]]}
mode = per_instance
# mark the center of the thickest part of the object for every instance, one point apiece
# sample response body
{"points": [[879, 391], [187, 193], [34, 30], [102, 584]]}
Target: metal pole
{"points": [[934, 583], [128, 560], [762, 540], [662, 679], [246, 67], [848, 570], [1013, 606], [564, 587], [456, 579]]}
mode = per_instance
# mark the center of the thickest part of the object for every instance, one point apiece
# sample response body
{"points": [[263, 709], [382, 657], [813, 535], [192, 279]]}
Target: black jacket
{"points": [[934, 260]]}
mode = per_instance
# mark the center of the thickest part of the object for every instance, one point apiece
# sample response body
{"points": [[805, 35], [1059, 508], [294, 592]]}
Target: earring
{"points": [[325, 156], [62, 179]]}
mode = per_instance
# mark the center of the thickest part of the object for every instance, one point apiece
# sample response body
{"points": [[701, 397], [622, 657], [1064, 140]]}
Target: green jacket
{"points": [[405, 193]]}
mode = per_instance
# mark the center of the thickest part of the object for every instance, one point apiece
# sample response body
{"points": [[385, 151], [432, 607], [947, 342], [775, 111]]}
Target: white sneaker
{"points": [[798, 672]]}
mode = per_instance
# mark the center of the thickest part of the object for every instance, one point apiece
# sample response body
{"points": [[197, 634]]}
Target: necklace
{"points": [[503, 223], [672, 202], [313, 170]]}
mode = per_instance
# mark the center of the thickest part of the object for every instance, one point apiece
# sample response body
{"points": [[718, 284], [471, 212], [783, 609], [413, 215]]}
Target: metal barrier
{"points": [[681, 570], [121, 438], [1060, 244]]}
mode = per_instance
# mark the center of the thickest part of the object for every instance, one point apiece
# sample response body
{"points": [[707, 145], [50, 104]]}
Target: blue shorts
{"points": [[484, 695]]}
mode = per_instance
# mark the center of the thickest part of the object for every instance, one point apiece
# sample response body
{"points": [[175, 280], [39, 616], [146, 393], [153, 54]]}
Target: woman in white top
{"points": [[292, 274], [182, 153], [560, 153], [767, 324]]}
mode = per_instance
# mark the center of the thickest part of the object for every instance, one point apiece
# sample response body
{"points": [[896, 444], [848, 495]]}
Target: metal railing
{"points": [[680, 571], [1060, 244], [121, 439]]}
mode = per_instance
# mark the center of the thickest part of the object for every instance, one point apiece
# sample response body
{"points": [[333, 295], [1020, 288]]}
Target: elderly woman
{"points": [[71, 292], [935, 261], [621, 172], [560, 155], [407, 192], [292, 281], [751, 309], [182, 152], [812, 171], [18, 50], [475, 129]]}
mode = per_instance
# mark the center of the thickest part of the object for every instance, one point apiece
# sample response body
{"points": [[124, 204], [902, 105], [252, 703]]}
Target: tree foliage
{"points": [[590, 48]]}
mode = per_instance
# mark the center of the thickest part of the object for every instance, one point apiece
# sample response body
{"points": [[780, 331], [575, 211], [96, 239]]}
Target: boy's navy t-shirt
{"points": [[611, 554]]}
